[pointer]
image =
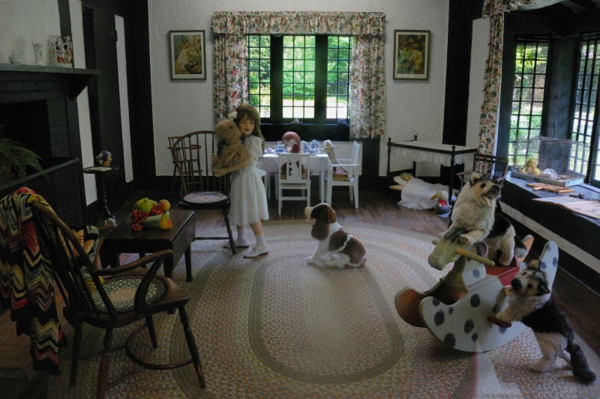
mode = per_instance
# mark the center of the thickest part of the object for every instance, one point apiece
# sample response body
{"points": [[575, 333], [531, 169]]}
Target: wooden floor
{"points": [[580, 304]]}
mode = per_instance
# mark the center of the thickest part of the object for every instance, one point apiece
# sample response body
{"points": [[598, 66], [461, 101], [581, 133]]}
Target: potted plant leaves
{"points": [[15, 159]]}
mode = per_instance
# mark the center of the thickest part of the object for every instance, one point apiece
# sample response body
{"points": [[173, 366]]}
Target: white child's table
{"points": [[319, 164]]}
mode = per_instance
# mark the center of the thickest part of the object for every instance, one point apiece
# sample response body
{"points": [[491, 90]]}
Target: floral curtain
{"points": [[367, 88], [367, 82], [494, 9], [230, 82]]}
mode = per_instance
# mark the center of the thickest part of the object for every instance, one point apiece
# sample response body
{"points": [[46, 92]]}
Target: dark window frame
{"points": [[563, 62], [524, 100], [588, 97], [276, 82]]}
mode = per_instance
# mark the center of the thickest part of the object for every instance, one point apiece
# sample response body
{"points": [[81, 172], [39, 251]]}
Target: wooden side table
{"points": [[123, 239], [100, 172]]}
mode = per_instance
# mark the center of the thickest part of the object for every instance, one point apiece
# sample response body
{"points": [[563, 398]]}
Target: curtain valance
{"points": [[299, 22]]}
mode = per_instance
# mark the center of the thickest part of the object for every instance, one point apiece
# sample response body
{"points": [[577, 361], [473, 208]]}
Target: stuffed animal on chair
{"points": [[231, 150], [330, 151]]}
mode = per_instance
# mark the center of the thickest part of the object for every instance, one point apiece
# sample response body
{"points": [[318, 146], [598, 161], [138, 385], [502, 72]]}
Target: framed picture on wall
{"points": [[188, 54], [411, 54]]}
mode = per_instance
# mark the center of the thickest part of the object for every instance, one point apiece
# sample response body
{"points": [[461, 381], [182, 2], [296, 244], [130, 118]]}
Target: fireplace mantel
{"points": [[78, 78]]}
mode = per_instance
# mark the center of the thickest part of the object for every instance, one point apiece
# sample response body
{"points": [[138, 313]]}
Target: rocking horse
{"points": [[456, 310]]}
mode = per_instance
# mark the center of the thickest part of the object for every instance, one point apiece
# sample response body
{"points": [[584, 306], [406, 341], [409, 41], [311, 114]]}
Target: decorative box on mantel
{"points": [[78, 78]]}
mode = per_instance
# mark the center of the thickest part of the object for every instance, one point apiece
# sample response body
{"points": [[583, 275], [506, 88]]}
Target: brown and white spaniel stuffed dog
{"points": [[336, 247]]}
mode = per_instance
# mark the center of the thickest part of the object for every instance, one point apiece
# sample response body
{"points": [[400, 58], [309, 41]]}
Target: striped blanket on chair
{"points": [[27, 280]]}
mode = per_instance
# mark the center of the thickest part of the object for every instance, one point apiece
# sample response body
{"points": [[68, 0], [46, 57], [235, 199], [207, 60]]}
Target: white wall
{"points": [[22, 20], [413, 107]]}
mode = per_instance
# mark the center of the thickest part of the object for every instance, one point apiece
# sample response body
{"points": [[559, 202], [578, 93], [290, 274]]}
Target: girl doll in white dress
{"points": [[248, 197]]}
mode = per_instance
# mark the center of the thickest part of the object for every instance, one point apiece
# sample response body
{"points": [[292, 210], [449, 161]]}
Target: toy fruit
{"points": [[151, 221], [146, 206], [165, 222], [138, 203], [146, 213], [164, 205], [137, 218]]}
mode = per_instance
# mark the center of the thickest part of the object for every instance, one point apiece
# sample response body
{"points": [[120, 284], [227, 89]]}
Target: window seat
{"points": [[576, 234]]}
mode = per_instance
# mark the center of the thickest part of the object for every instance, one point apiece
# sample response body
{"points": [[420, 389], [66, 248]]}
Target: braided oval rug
{"points": [[275, 327]]}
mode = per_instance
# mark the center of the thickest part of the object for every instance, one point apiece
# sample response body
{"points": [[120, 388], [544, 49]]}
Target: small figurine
{"points": [[37, 51], [104, 158], [68, 51], [59, 54], [16, 57]]}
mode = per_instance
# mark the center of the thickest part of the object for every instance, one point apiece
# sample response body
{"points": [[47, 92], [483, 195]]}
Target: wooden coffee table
{"points": [[123, 239]]}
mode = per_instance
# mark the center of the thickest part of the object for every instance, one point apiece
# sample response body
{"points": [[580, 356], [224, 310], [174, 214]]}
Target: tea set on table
{"points": [[286, 146]]}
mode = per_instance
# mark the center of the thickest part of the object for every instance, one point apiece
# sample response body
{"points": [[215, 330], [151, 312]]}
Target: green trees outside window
{"points": [[300, 77], [528, 98], [585, 124]]}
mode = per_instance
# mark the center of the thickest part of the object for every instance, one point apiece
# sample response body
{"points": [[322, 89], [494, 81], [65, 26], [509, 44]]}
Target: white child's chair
{"points": [[294, 174], [349, 179]]}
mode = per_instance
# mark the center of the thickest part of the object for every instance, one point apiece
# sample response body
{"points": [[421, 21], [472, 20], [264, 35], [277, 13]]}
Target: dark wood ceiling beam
{"points": [[580, 5]]}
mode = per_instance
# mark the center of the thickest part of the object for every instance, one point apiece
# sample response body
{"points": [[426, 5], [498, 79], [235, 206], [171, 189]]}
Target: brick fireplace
{"points": [[38, 106]]}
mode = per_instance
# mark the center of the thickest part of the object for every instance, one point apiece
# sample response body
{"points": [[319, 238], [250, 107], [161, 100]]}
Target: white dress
{"points": [[248, 197]]}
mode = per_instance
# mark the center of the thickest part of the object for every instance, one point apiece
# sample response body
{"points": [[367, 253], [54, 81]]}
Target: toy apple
{"points": [[147, 206], [138, 203], [164, 205]]}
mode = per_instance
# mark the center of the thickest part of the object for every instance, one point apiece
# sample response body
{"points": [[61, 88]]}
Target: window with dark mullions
{"points": [[528, 98], [259, 73], [552, 93], [585, 119], [303, 77]]}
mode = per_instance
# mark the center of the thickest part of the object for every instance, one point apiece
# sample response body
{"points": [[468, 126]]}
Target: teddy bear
{"points": [[231, 150], [329, 149], [532, 168]]}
